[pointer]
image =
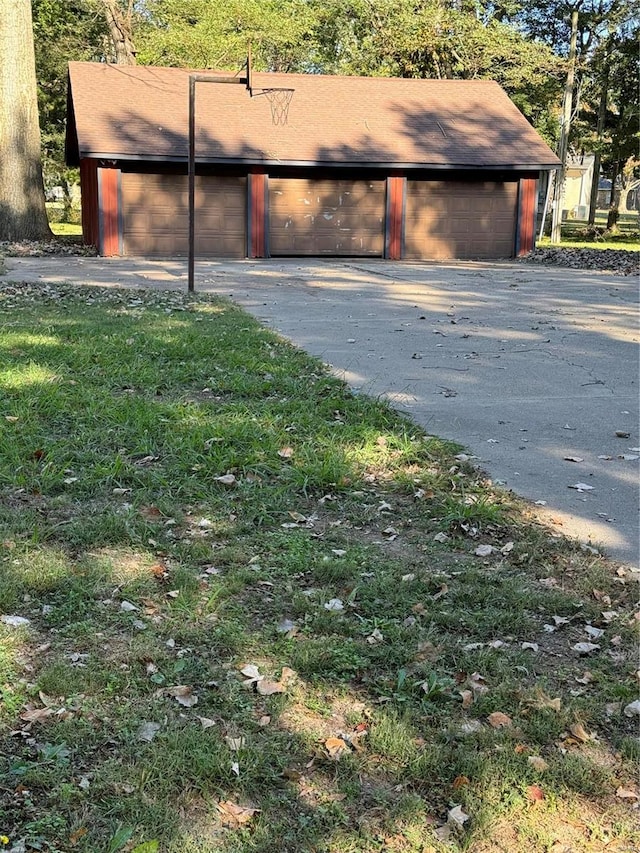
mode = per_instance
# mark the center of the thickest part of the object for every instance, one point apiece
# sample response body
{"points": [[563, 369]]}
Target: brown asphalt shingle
{"points": [[142, 112]]}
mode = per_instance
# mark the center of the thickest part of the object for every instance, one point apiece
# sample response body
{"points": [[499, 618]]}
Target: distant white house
{"points": [[577, 187]]}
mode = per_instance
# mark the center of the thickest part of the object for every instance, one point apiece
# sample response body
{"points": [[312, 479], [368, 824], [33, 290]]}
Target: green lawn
{"points": [[574, 234], [268, 615], [626, 244], [66, 229]]}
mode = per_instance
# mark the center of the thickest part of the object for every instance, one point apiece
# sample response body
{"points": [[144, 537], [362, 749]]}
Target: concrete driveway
{"points": [[533, 369]]}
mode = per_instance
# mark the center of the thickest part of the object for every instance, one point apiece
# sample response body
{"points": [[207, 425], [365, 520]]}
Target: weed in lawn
{"points": [[472, 511]]}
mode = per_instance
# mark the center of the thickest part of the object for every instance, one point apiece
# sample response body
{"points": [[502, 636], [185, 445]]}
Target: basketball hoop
{"points": [[279, 100]]}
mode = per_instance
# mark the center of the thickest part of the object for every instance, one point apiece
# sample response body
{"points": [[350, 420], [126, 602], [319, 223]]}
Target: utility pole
{"points": [[597, 157], [564, 131]]}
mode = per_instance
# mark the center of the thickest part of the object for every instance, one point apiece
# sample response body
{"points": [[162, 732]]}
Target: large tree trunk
{"points": [[119, 24], [23, 214], [614, 198]]}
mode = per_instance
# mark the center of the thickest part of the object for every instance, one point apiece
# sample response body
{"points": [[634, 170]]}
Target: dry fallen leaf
{"points": [[234, 815], [540, 701], [498, 720], [183, 695], [268, 688], [375, 637], [483, 550], [632, 709], [460, 782], [226, 479], [456, 817], [443, 833], [77, 835], [336, 747], [297, 516], [36, 715], [537, 763], [285, 452], [535, 793], [579, 733], [627, 794], [251, 672], [477, 683], [467, 698], [585, 648], [206, 722]]}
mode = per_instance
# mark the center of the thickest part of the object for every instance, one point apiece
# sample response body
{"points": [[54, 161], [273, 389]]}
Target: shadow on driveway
{"points": [[531, 368]]}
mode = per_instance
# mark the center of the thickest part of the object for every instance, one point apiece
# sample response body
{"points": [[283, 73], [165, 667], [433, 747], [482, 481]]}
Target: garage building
{"points": [[331, 166]]}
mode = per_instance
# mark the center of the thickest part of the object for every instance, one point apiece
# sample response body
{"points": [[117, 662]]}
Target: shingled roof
{"points": [[141, 113]]}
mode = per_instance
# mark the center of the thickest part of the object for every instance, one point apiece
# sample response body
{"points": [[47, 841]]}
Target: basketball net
{"points": [[279, 100]]}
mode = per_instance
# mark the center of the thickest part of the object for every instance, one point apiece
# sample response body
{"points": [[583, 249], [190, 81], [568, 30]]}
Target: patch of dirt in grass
{"points": [[302, 721], [554, 826]]}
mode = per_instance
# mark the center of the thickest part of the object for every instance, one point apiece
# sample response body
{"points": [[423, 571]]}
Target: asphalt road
{"points": [[531, 368]]}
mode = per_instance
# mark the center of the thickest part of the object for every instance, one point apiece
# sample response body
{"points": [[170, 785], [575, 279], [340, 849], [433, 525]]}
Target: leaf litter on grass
{"points": [[365, 701]]}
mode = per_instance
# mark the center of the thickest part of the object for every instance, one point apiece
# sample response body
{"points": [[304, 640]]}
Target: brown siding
{"points": [[395, 216], [326, 217], [156, 215], [257, 215], [89, 194], [527, 202], [460, 219], [108, 218]]}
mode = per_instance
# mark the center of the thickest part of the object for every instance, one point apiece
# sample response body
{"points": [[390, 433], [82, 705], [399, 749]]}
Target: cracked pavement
{"points": [[529, 367]]}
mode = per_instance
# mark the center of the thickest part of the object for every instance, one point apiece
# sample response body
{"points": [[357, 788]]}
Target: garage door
{"points": [[326, 217], [460, 219], [156, 215]]}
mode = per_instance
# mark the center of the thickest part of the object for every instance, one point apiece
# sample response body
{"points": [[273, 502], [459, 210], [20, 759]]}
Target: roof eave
{"points": [[340, 164]]}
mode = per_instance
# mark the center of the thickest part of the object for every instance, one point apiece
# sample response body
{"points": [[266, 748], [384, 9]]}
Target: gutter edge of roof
{"points": [[342, 164]]}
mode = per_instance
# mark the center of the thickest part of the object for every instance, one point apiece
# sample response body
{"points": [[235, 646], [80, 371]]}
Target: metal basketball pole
{"points": [[193, 79]]}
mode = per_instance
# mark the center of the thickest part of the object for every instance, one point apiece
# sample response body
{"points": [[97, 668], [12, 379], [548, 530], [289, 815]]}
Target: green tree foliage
{"points": [[615, 82], [63, 30], [202, 34], [433, 38], [406, 38]]}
